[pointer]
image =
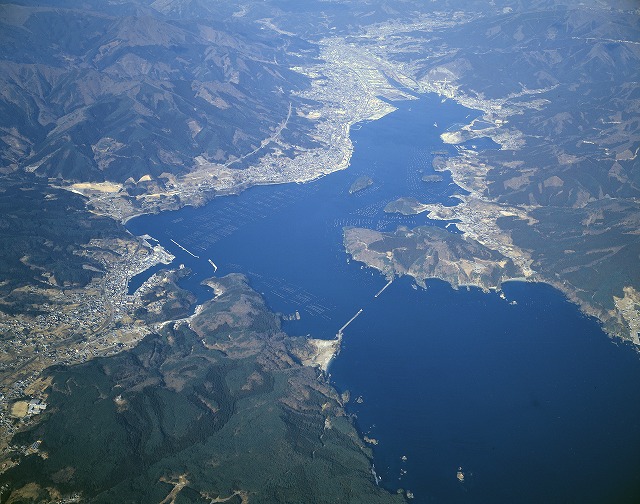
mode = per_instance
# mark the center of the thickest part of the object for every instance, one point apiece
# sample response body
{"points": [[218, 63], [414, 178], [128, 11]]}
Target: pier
{"points": [[382, 290], [340, 331], [188, 252]]}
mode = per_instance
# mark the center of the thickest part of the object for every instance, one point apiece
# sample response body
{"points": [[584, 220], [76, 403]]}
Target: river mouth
{"points": [[489, 401]]}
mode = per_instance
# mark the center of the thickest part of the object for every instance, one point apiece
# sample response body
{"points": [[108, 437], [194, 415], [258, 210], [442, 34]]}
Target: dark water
{"points": [[530, 399]]}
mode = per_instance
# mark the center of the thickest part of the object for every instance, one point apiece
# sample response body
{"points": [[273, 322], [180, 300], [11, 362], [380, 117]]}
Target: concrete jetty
{"points": [[382, 290], [187, 251], [340, 331]]}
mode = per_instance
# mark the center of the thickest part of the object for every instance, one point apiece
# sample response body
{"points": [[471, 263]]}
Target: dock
{"points": [[341, 330], [382, 290], [215, 268], [187, 251]]}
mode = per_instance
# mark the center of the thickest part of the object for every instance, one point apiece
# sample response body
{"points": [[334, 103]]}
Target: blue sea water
{"points": [[530, 400]]}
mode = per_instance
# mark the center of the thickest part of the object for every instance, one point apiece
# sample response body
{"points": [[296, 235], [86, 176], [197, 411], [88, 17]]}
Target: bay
{"points": [[531, 402]]}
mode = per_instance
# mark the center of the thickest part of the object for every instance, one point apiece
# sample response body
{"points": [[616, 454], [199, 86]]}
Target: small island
{"points": [[360, 184]]}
